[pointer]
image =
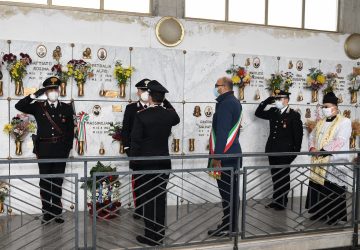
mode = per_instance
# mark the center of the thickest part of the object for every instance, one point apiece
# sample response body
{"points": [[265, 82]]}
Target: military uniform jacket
{"points": [[286, 130], [62, 115], [128, 122], [150, 135]]}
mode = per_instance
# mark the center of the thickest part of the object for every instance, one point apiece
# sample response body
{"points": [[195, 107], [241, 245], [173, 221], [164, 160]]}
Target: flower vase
{"points": [[1, 88], [19, 88], [121, 149], [18, 147], [122, 90], [63, 89], [80, 148], [80, 88], [314, 95], [353, 142], [241, 92], [354, 97]]}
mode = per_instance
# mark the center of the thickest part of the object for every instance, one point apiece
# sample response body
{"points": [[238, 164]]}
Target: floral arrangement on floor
{"points": [[107, 192], [19, 127], [332, 82], [62, 73], [315, 80], [80, 71], [280, 81], [122, 75], [17, 69]]}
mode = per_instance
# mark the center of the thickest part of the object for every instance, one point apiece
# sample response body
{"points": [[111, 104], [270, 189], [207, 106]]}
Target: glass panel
{"points": [[247, 11], [141, 6], [321, 14], [206, 9], [92, 4], [285, 13]]}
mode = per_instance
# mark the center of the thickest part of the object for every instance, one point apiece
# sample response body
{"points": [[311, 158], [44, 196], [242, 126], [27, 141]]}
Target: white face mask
{"points": [[327, 112], [144, 96], [279, 104], [53, 96]]}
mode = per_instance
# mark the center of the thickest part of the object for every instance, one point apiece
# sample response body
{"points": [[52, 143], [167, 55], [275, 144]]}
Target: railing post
{"points": [[355, 242], [77, 212], [85, 204], [243, 205], [236, 200], [94, 213]]}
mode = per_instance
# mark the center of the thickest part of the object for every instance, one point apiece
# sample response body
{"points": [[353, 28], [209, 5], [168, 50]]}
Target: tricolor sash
{"points": [[229, 142]]}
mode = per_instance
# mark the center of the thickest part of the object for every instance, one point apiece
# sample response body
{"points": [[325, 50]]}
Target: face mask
{"points": [[327, 112], [279, 104], [144, 96], [53, 96], [216, 93]]}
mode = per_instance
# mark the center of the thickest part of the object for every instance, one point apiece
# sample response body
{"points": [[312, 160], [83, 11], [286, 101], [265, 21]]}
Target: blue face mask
{"points": [[216, 93]]}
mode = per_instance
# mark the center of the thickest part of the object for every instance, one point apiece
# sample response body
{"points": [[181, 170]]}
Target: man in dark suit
{"points": [[224, 139], [128, 122], [286, 133], [149, 137], [55, 134]]}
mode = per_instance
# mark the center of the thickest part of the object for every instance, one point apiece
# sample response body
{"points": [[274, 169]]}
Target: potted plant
{"points": [[122, 75], [315, 80], [240, 77], [81, 71]]}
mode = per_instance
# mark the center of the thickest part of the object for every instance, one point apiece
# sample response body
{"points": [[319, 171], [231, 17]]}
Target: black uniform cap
{"points": [[281, 94], [330, 97], [52, 82], [155, 86], [142, 84]]}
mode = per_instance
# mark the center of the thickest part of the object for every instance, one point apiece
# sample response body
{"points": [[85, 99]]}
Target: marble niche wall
{"points": [[188, 75]]}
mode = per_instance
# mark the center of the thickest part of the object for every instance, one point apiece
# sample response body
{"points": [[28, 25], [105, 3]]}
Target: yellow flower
{"points": [[7, 128], [235, 79], [321, 79]]}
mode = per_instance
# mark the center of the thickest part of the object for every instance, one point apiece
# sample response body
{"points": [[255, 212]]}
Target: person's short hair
{"points": [[157, 96], [227, 82]]}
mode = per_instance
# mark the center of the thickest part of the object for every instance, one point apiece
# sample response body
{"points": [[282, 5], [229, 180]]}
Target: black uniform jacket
{"points": [[150, 135], [286, 130], [62, 115]]}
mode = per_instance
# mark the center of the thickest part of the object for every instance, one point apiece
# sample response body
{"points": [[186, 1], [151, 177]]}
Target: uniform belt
{"points": [[52, 139]]}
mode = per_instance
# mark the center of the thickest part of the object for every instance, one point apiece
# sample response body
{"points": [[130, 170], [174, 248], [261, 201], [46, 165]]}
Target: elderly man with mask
{"points": [[286, 133], [55, 134], [224, 139], [326, 198]]}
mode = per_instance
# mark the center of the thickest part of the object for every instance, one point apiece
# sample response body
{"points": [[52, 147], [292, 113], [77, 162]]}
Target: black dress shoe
{"points": [[46, 218], [279, 207], [136, 216], [146, 241], [59, 220], [220, 231], [271, 205]]}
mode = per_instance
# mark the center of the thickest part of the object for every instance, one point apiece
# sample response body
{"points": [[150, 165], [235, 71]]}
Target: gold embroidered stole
{"points": [[318, 173]]}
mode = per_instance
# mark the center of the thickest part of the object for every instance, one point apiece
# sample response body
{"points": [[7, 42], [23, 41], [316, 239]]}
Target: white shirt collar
{"points": [[283, 109], [55, 103], [143, 104]]}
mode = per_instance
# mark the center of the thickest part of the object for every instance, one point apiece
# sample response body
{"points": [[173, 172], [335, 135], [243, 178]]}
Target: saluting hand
{"points": [[269, 100], [40, 92]]}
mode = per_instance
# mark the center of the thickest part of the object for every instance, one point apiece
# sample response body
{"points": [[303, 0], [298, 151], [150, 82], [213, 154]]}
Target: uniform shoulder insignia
{"points": [[142, 110]]}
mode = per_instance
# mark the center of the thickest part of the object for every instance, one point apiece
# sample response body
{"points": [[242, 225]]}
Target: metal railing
{"points": [[178, 207]]}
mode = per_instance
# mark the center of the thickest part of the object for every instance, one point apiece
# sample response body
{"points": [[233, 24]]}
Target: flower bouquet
{"points": [[17, 69], [332, 82], [4, 192], [240, 77], [19, 127], [315, 80], [280, 81], [107, 192], [354, 88], [80, 70], [62, 73], [115, 132], [122, 75]]}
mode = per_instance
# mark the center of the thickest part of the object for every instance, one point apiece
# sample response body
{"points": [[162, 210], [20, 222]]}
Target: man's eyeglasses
{"points": [[218, 85]]}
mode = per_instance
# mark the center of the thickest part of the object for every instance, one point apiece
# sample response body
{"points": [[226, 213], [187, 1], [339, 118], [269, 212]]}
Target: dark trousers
{"points": [[51, 188], [152, 189], [136, 194], [224, 185], [281, 179], [328, 200]]}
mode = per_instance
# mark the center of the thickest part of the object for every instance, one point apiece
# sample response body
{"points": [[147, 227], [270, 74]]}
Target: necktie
{"points": [[52, 106], [145, 106]]}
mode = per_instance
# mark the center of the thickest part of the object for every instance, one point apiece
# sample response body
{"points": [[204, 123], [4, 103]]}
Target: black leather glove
{"points": [[269, 100], [40, 92], [167, 104]]}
